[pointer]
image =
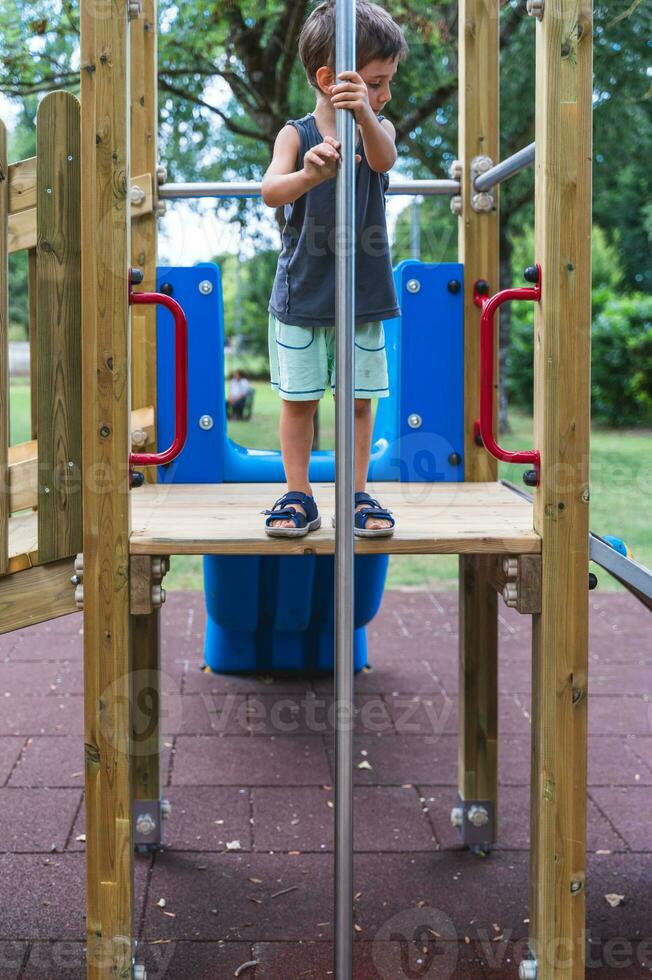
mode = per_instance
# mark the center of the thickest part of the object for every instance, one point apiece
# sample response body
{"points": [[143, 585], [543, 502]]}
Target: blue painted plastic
{"points": [[276, 613]]}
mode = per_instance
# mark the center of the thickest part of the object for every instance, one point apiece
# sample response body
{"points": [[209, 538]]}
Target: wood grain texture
{"points": [[4, 351], [478, 245], [22, 185], [144, 160], [561, 512], [106, 438], [36, 595], [226, 518], [32, 294], [58, 318]]}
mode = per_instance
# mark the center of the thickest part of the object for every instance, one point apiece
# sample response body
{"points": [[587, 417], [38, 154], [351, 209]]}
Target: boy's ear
{"points": [[325, 78]]}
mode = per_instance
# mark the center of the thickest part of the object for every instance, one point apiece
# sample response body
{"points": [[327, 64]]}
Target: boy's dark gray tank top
{"points": [[304, 287]]}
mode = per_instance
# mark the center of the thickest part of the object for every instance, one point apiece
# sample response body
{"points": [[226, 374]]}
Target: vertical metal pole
{"points": [[415, 231], [344, 502]]}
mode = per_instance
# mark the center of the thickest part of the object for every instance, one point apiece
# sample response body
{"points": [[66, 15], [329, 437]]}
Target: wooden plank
{"points": [[22, 230], [36, 595], [58, 317], [106, 256], [561, 512], [4, 350], [478, 247], [144, 160], [22, 224], [24, 465], [32, 292], [22, 185], [432, 519]]}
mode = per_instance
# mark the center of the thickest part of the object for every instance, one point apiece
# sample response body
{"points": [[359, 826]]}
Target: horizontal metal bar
{"points": [[507, 168], [252, 188]]}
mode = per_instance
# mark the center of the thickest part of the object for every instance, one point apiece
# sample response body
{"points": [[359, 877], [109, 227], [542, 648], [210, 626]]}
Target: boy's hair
{"points": [[377, 36]]}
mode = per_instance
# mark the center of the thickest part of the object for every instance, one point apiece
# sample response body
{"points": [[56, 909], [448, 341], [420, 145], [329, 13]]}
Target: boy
{"points": [[301, 176]]}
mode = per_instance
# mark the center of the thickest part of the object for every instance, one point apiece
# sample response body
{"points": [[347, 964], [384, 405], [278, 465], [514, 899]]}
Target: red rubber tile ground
{"points": [[247, 765]]}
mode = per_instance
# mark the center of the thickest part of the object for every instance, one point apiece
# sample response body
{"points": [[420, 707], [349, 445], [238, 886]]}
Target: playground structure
{"points": [[87, 222]]}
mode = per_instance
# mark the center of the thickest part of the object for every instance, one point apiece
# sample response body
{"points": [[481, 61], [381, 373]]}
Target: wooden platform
{"points": [[444, 518]]}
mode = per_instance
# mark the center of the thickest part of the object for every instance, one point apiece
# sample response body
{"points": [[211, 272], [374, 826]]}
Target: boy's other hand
{"points": [[320, 162]]}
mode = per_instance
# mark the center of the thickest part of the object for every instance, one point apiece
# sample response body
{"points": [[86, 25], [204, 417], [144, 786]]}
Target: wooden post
{"points": [[4, 352], [58, 306], [479, 251], [106, 437], [144, 130], [33, 337], [561, 512]]}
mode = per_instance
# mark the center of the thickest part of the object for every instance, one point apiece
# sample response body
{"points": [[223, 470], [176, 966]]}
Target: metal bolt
{"points": [[166, 809], [75, 579], [158, 596], [139, 972], [457, 816], [105, 430], [158, 568], [413, 286], [576, 886], [456, 170], [482, 201], [79, 564], [527, 970], [134, 9], [586, 495], [145, 823], [206, 422], [456, 204], [480, 165], [70, 156], [205, 287], [161, 209], [79, 596], [48, 190], [161, 175], [535, 8], [478, 815], [137, 195], [510, 567], [510, 595], [415, 421], [71, 465], [46, 489]]}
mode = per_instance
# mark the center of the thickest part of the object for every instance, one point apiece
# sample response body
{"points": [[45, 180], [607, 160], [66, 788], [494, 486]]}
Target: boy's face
{"points": [[378, 76]]}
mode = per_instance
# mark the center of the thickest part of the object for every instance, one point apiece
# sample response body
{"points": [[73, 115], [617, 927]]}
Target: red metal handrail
{"points": [[180, 379], [489, 305]]}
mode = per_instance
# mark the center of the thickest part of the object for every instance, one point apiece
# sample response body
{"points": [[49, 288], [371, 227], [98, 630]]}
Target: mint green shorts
{"points": [[302, 360]]}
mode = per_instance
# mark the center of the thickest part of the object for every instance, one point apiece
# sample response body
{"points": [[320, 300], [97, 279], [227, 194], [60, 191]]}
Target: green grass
{"points": [[621, 475]]}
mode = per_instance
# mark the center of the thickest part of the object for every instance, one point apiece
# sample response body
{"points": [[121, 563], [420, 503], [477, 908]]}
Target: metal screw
{"points": [[206, 422], [413, 286], [205, 287], [75, 580], [456, 204], [576, 886], [478, 816], [527, 970], [145, 823], [415, 421], [137, 195], [70, 157], [586, 495], [70, 464], [46, 489], [48, 190]]}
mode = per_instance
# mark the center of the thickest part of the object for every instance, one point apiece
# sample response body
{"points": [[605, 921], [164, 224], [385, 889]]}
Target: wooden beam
{"points": [[22, 223], [106, 256], [22, 185], [36, 595], [478, 241], [32, 292], [4, 352], [58, 348], [144, 159], [561, 512]]}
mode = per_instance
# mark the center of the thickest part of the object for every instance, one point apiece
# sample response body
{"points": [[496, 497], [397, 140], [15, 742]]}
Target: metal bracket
{"points": [[475, 820], [481, 201], [147, 821]]}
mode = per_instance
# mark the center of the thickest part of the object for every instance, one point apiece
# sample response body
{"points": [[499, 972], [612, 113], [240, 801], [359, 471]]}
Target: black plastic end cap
{"points": [[482, 287], [530, 478], [593, 581], [454, 286], [455, 459], [531, 274], [136, 479], [478, 440], [166, 288], [136, 276]]}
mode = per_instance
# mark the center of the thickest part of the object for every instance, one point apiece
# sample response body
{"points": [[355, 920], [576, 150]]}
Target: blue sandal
{"points": [[303, 523], [373, 509]]}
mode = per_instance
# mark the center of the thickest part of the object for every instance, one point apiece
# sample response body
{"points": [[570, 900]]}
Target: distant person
{"points": [[239, 388]]}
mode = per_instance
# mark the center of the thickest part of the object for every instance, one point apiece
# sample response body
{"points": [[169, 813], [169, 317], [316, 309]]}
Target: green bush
{"points": [[621, 385]]}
